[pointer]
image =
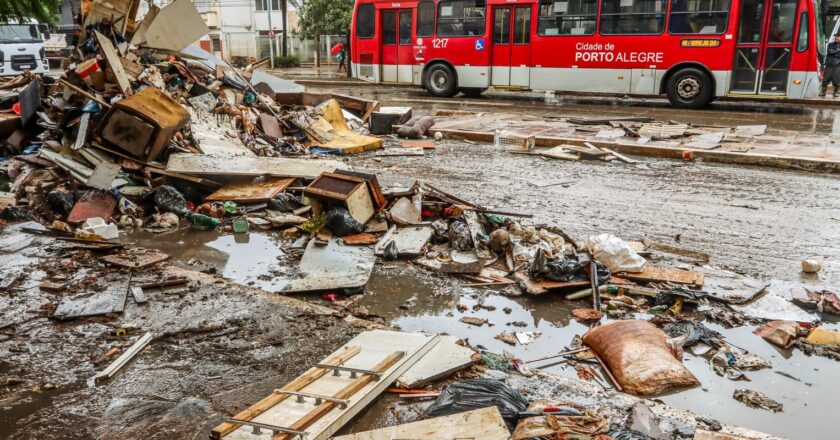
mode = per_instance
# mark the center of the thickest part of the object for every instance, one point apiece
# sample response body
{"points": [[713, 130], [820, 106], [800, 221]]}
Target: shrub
{"points": [[287, 61]]}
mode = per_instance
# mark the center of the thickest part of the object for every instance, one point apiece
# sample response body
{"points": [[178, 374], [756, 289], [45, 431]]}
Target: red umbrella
{"points": [[337, 48]]}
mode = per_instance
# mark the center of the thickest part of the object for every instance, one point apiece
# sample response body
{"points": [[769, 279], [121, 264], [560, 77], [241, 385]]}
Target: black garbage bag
{"points": [[285, 203], [341, 223], [695, 332], [459, 236], [17, 213], [168, 199], [61, 201], [566, 270], [474, 394], [391, 252]]}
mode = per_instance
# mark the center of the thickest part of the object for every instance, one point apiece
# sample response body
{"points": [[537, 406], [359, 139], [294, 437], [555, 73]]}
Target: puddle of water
{"points": [[244, 258], [807, 412]]}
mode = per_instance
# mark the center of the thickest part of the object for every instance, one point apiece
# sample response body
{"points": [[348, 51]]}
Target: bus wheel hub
{"points": [[688, 87]]}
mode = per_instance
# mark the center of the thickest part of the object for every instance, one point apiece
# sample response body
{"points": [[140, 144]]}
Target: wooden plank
{"points": [[345, 393], [298, 384], [222, 165], [113, 58], [480, 424], [121, 361], [665, 274], [676, 250], [620, 156], [444, 359], [250, 192]]}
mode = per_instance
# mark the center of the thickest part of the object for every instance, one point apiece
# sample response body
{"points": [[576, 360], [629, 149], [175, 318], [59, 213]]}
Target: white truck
{"points": [[22, 47]]}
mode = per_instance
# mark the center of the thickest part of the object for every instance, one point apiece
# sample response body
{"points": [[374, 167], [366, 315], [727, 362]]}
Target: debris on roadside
{"points": [[755, 399]]}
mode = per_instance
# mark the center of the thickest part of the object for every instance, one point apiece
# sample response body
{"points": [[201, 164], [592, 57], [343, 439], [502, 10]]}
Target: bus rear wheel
{"points": [[441, 81], [689, 88]]}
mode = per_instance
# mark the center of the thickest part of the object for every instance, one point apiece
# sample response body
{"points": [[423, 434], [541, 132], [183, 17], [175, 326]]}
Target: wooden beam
{"points": [[345, 393], [298, 384]]}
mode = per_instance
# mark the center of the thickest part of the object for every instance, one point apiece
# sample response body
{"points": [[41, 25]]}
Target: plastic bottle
{"points": [[204, 221]]}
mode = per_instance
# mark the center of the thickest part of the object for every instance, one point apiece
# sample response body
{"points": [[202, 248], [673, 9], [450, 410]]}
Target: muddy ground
{"points": [[755, 221]]}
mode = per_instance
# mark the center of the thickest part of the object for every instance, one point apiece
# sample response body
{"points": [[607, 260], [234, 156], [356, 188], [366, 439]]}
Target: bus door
{"points": [[397, 47], [764, 46], [510, 55]]}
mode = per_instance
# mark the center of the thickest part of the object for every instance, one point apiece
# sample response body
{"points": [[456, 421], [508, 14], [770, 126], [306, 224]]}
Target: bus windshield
{"points": [[19, 33], [821, 42]]}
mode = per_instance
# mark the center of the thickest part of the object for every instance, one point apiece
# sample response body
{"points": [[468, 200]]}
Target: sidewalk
{"points": [[327, 76]]}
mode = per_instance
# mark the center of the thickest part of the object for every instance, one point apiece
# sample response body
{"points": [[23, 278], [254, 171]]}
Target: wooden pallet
{"points": [[320, 401]]}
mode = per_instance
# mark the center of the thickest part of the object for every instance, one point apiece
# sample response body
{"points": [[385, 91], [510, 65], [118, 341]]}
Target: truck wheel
{"points": [[441, 81], [689, 88], [473, 92]]}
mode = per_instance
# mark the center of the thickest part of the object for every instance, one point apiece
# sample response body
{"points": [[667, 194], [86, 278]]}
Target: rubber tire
{"points": [[703, 97], [450, 88], [473, 92]]}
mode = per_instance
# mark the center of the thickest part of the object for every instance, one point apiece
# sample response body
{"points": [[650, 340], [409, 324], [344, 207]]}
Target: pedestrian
{"points": [[831, 69], [341, 56]]}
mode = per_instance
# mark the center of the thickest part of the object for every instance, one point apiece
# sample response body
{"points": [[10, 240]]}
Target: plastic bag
{"points": [[626, 434], [638, 356], [615, 253], [390, 252], [168, 199], [474, 394], [691, 332], [285, 203], [566, 270], [341, 223], [459, 236], [61, 201]]}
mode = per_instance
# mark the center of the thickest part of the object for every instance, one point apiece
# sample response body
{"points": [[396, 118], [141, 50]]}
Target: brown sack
{"points": [[639, 358]]}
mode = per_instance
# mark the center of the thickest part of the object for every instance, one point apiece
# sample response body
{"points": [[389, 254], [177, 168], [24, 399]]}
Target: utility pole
{"points": [[270, 35], [285, 48]]}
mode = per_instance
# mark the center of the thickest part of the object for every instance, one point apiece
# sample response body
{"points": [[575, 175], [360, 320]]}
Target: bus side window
{"points": [[633, 17], [699, 16], [802, 39], [365, 27], [461, 18], [567, 17], [425, 19]]}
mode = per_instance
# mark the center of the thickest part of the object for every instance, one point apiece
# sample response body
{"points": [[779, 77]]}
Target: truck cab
{"points": [[22, 47]]}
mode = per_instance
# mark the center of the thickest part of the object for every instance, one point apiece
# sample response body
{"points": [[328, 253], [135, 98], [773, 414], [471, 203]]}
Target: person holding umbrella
{"points": [[340, 52]]}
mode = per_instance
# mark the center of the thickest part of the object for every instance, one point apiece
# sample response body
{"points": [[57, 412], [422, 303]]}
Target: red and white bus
{"points": [[691, 50]]}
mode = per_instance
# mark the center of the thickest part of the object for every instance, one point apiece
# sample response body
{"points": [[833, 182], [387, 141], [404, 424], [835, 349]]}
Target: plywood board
{"points": [[334, 266], [176, 26], [481, 424], [109, 298], [250, 192], [376, 346], [409, 240], [665, 274], [225, 165], [114, 63], [444, 359]]}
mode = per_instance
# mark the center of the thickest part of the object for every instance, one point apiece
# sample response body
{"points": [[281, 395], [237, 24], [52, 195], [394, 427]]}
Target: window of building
{"points": [[262, 5], [699, 16], [632, 17], [461, 18], [425, 19], [567, 17], [365, 24]]}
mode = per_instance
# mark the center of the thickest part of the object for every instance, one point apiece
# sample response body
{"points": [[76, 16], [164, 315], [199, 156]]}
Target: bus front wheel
{"points": [[689, 88], [441, 81]]}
